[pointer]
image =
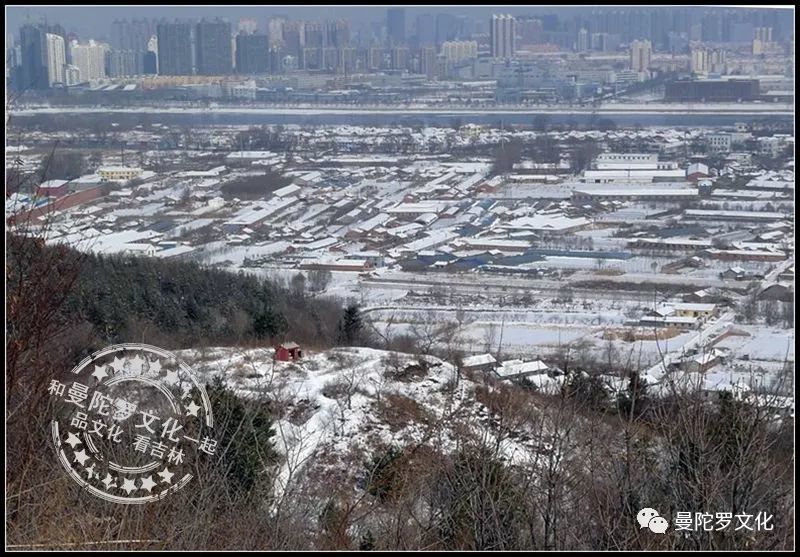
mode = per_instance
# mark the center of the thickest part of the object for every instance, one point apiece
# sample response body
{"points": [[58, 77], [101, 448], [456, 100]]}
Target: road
{"points": [[548, 288], [709, 331], [504, 286]]}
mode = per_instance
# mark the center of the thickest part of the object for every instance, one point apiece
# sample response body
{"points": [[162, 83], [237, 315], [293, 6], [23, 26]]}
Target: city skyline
{"points": [[102, 17]]}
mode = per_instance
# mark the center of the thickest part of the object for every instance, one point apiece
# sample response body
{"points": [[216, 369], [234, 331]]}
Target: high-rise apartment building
{"points": [[90, 59], [604, 42], [583, 40], [33, 58], [150, 63], [213, 42], [72, 75], [293, 33], [640, 53], [428, 62], [457, 51], [763, 34], [346, 59], [56, 57], [176, 53], [275, 30], [252, 54], [247, 26], [399, 58], [698, 62], [396, 26], [446, 28], [131, 35], [125, 63], [503, 36], [337, 34], [314, 33], [704, 60], [530, 30], [375, 58]]}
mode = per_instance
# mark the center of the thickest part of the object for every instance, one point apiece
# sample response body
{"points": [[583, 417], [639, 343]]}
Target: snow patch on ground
{"points": [[341, 401]]}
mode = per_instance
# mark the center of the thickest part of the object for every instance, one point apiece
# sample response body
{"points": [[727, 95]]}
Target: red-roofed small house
{"points": [[288, 351]]}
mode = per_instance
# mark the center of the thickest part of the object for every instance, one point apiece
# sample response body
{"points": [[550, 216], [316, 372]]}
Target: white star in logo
{"points": [[136, 364], [191, 409], [172, 376], [108, 481], [167, 475], [100, 372], [128, 485], [155, 366], [118, 364], [90, 471], [148, 484], [82, 457], [73, 440]]}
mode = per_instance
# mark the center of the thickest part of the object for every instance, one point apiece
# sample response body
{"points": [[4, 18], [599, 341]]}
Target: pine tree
{"points": [[350, 326], [244, 431]]}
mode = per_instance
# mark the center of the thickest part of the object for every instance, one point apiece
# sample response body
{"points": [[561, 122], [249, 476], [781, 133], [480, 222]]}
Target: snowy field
{"points": [[764, 343]]}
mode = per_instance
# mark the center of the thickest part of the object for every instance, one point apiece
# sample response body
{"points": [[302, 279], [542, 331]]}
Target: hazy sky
{"points": [[95, 21]]}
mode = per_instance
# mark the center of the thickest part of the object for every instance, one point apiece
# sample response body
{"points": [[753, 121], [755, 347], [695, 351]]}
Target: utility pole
{"points": [[500, 344]]}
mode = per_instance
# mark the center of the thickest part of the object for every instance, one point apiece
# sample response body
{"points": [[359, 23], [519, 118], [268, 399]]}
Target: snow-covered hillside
{"points": [[348, 403]]}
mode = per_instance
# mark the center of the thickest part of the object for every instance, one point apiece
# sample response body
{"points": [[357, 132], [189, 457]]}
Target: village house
{"points": [[696, 172], [683, 323], [517, 369], [732, 273], [118, 173], [481, 362], [684, 310], [708, 296], [703, 362], [53, 188], [701, 311], [782, 292]]}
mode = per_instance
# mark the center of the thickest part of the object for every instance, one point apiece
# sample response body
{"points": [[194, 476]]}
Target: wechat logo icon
{"points": [[649, 518]]}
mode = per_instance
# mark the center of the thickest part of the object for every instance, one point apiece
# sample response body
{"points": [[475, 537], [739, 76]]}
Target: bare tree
{"points": [[319, 279]]}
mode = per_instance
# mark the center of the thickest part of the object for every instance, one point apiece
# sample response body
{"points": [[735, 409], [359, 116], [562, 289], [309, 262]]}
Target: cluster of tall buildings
{"points": [[707, 61], [45, 56], [663, 25], [202, 48], [42, 56], [211, 48]]}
